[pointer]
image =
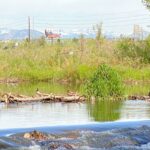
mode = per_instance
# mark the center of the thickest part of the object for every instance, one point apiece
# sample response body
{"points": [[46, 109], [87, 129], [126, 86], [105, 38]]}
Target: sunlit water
{"points": [[41, 115]]}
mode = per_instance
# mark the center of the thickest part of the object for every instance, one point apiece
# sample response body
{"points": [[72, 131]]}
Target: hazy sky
{"points": [[116, 15]]}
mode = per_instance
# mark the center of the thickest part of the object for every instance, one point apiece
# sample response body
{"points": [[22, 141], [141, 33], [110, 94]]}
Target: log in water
{"points": [[9, 98]]}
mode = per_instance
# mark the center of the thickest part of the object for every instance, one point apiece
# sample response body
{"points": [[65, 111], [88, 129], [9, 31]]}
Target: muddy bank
{"points": [[137, 97]]}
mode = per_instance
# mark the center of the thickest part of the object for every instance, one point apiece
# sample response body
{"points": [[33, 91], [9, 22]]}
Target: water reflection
{"points": [[105, 110], [39, 115], [36, 115], [135, 110]]}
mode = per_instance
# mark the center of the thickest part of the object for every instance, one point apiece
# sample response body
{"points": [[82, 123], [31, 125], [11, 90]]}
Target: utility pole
{"points": [[142, 34], [33, 29], [29, 30], [137, 31]]}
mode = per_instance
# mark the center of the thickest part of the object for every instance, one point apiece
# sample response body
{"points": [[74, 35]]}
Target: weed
{"points": [[104, 82]]}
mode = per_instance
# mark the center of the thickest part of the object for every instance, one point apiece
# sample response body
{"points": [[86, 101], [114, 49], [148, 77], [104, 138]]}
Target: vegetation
{"points": [[146, 3], [74, 61], [105, 82], [134, 49]]}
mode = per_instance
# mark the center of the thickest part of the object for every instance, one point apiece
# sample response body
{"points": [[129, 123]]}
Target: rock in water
{"points": [[3, 146], [35, 135]]}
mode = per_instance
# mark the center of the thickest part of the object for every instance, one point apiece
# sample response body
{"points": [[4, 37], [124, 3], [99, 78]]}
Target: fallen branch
{"points": [[9, 98]]}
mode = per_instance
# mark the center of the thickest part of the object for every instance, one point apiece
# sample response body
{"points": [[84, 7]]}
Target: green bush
{"points": [[127, 47], [145, 54], [105, 82]]}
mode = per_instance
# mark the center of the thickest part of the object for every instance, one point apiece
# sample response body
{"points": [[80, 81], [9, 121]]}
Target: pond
{"points": [[36, 115], [98, 118]]}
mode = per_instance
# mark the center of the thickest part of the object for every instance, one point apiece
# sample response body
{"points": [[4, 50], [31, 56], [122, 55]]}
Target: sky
{"points": [[116, 15]]}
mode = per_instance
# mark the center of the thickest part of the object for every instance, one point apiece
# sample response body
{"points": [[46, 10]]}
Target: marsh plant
{"points": [[44, 61], [105, 82], [134, 49]]}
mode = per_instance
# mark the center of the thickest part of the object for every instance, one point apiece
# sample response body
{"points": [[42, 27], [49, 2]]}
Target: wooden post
{"points": [[6, 99], [52, 40]]}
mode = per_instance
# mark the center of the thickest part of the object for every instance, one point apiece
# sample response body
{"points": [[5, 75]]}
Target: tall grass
{"points": [[72, 60], [135, 49]]}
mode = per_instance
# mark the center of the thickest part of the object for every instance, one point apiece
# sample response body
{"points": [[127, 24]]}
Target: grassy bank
{"points": [[71, 60]]}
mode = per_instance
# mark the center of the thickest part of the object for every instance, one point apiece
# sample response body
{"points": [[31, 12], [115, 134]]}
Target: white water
{"points": [[136, 138]]}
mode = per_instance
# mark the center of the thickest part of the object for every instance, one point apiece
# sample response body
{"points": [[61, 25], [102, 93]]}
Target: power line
{"points": [[45, 21], [91, 21], [113, 24], [89, 17]]}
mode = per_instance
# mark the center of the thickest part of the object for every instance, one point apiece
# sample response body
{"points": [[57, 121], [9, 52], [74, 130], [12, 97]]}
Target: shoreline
{"points": [[63, 81]]}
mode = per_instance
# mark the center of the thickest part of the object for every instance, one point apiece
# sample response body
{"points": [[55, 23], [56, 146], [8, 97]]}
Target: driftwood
{"points": [[144, 98], [40, 97], [71, 97]]}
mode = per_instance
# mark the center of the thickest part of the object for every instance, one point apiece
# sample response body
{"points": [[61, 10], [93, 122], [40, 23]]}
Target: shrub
{"points": [[127, 47], [41, 41], [105, 82], [146, 51]]}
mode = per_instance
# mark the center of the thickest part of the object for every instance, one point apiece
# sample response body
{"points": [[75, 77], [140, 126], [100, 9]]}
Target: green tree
{"points": [[146, 3]]}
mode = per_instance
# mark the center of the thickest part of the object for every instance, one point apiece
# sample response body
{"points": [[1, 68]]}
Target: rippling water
{"points": [[105, 136]]}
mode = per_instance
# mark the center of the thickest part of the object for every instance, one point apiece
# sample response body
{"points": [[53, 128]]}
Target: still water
{"points": [[39, 115], [42, 115]]}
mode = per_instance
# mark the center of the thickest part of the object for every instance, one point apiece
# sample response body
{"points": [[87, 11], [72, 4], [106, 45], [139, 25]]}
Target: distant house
{"points": [[51, 36]]}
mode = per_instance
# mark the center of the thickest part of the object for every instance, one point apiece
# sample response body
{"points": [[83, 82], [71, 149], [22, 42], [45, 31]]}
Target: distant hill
{"points": [[86, 35], [6, 34], [14, 34]]}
